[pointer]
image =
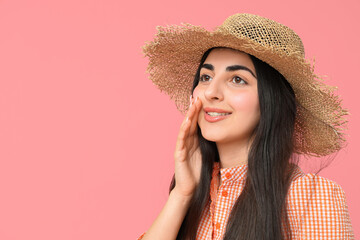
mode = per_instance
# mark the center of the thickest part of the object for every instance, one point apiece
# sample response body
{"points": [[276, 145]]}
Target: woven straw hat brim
{"points": [[174, 56]]}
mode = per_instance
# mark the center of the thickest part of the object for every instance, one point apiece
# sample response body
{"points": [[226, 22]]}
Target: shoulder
{"points": [[317, 207], [314, 185], [312, 188]]}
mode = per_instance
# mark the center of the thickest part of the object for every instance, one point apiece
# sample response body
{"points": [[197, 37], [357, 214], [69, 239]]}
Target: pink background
{"points": [[86, 140]]}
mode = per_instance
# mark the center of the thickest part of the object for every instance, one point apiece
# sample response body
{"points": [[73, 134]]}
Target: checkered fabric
{"points": [[316, 206]]}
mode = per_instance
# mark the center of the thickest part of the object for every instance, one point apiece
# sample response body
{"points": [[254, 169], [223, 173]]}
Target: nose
{"points": [[214, 90]]}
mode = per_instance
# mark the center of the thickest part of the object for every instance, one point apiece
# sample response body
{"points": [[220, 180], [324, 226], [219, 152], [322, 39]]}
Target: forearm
{"points": [[166, 226]]}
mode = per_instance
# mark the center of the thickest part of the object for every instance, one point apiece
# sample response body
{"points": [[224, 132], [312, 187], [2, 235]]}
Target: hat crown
{"points": [[265, 32]]}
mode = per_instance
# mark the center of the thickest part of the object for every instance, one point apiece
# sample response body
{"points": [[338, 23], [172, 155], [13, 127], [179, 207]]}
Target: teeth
{"points": [[214, 114]]}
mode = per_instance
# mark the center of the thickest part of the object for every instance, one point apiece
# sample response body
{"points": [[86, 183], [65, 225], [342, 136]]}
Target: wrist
{"points": [[183, 198]]}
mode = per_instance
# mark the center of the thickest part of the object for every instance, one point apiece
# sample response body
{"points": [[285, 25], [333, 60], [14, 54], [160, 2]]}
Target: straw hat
{"points": [[175, 54]]}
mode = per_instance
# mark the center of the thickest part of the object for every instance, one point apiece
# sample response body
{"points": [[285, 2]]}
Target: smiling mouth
{"points": [[215, 114], [213, 117]]}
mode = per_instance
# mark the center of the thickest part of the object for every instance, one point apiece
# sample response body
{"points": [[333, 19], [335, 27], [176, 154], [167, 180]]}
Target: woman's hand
{"points": [[187, 152]]}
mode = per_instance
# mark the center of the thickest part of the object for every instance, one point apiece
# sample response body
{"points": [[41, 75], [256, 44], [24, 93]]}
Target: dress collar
{"points": [[238, 173], [231, 174]]}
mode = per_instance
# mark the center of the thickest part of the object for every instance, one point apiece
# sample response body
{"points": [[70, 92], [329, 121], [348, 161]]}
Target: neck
{"points": [[233, 153]]}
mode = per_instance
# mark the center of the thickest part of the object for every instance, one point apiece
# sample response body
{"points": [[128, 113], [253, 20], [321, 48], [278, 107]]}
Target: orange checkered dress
{"points": [[316, 206]]}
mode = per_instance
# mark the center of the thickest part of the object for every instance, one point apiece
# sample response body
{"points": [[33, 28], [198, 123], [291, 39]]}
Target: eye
{"points": [[204, 78], [238, 80]]}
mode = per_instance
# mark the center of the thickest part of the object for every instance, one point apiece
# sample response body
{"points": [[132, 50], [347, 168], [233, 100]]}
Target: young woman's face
{"points": [[228, 84]]}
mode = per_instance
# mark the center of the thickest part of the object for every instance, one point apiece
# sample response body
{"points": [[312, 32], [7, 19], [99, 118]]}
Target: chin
{"points": [[223, 135], [213, 136]]}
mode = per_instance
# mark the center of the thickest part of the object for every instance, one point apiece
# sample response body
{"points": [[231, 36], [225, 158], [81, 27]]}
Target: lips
{"points": [[217, 114], [215, 110]]}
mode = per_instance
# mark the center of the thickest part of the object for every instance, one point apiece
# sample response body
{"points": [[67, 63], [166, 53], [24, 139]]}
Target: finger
{"points": [[198, 106], [191, 110], [180, 142], [184, 128], [189, 118], [193, 116], [189, 122], [187, 114]]}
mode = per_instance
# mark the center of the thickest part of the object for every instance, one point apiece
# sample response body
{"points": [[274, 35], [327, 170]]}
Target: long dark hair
{"points": [[260, 210]]}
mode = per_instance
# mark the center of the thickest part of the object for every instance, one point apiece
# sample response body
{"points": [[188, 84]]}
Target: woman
{"points": [[256, 105]]}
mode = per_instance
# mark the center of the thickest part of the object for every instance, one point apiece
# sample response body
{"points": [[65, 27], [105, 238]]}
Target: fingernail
{"points": [[187, 119]]}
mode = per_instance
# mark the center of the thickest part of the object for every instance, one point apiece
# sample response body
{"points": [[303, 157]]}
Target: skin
{"points": [[224, 90], [233, 91]]}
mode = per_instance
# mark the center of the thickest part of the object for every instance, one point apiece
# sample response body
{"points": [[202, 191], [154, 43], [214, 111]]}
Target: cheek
{"points": [[196, 92], [246, 102]]}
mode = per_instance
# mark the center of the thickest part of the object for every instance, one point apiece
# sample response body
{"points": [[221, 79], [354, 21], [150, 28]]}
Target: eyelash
{"points": [[205, 75]]}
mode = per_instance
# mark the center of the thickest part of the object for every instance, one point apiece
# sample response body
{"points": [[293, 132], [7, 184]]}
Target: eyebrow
{"points": [[229, 68]]}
